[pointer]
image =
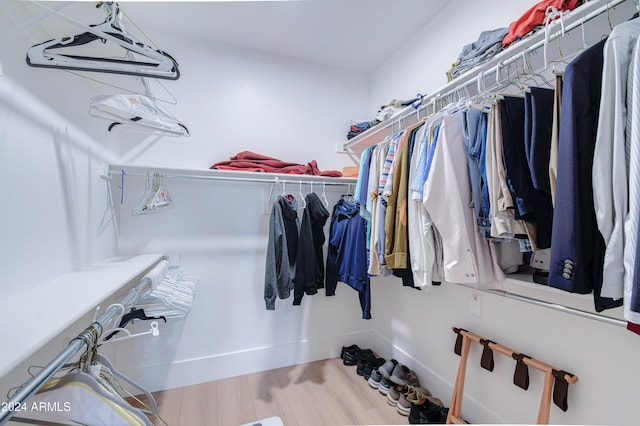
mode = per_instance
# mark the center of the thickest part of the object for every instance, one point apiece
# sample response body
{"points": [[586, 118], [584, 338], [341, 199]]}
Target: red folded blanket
{"points": [[248, 161]]}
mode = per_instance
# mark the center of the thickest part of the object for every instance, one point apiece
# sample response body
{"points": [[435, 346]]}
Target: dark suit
{"points": [[515, 158], [539, 115], [577, 248]]}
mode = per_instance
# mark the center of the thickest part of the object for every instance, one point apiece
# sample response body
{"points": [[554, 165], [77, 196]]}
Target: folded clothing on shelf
{"points": [[252, 162]]}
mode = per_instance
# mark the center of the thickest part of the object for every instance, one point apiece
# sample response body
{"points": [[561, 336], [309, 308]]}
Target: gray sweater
{"points": [[280, 267]]}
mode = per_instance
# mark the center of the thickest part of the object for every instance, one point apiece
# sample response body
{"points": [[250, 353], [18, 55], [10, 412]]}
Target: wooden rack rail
{"points": [[556, 381]]}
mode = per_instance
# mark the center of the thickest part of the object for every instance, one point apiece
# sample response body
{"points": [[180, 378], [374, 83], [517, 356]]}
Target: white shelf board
{"points": [[31, 318], [116, 169]]}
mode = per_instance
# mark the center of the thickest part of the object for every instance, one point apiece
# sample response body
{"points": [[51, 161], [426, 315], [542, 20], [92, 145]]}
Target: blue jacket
{"points": [[347, 253], [577, 248]]}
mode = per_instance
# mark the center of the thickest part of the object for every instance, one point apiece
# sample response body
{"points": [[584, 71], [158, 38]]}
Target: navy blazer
{"points": [[577, 248]]}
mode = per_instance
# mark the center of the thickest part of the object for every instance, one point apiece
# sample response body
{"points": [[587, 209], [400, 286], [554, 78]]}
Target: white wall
{"points": [[219, 231], [235, 99], [416, 327], [56, 216], [53, 198]]}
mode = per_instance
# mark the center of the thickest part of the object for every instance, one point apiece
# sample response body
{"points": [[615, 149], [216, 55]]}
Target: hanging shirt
{"points": [[385, 175], [467, 256], [632, 230], [374, 206], [396, 244], [419, 225], [475, 144], [610, 166], [361, 193]]}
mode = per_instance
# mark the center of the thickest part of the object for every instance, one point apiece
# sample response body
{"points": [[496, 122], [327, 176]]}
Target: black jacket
{"points": [[310, 259]]}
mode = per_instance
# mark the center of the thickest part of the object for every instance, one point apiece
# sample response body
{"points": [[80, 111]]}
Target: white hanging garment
{"points": [[80, 398], [135, 110]]}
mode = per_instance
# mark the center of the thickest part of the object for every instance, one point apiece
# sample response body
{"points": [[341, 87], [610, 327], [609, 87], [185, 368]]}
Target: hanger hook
{"points": [[324, 195]]}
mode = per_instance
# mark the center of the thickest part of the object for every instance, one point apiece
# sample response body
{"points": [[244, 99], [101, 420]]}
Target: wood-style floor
{"points": [[322, 393]]}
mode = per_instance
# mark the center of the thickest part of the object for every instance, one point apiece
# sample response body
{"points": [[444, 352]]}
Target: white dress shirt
{"points": [[610, 165], [631, 225]]}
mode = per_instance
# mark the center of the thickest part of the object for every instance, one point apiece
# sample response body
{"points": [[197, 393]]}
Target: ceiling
{"points": [[356, 35]]}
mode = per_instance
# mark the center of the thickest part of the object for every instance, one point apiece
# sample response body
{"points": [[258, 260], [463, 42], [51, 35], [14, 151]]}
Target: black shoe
{"points": [[365, 365], [348, 348], [351, 357], [434, 415], [372, 365], [416, 409]]}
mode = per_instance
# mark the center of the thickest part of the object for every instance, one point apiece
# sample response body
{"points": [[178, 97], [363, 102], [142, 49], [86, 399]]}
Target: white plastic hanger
{"points": [[136, 110], [172, 298], [154, 330], [155, 196], [149, 62], [324, 195], [303, 203]]}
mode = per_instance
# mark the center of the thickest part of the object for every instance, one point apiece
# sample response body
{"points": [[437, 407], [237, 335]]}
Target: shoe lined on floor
{"points": [[415, 395], [384, 385], [402, 375], [387, 368], [430, 403], [365, 366], [434, 415], [351, 357], [351, 348], [394, 394], [374, 379]]}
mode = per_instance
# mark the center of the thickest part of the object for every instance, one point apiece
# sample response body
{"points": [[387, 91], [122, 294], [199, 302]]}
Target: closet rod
{"points": [[37, 381], [492, 66], [267, 177], [555, 306]]}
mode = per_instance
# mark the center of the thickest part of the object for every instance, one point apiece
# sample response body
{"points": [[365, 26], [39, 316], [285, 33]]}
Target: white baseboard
{"points": [[231, 364]]}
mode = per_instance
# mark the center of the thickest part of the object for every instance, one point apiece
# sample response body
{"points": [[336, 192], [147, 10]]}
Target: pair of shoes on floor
{"points": [[431, 411], [352, 354], [365, 367], [398, 374], [413, 395]]}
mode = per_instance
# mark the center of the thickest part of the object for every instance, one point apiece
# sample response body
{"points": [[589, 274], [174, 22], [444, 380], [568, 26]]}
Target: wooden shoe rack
{"points": [[556, 381]]}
